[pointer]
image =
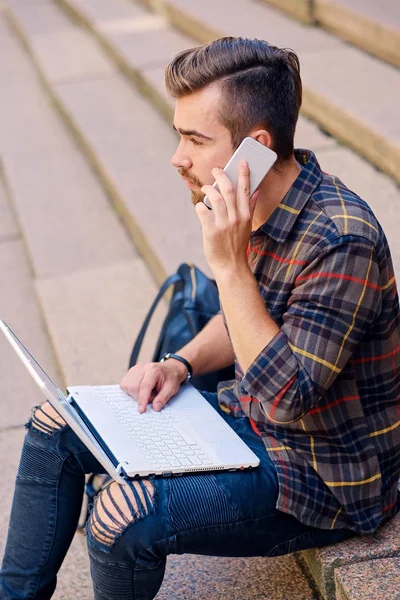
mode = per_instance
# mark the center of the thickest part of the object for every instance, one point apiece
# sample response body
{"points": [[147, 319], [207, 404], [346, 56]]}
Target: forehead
{"points": [[198, 110]]}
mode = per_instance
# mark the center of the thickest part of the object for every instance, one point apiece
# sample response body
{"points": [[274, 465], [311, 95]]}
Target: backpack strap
{"points": [[171, 280]]}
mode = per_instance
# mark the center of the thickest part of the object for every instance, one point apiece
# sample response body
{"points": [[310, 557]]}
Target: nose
{"points": [[181, 159]]}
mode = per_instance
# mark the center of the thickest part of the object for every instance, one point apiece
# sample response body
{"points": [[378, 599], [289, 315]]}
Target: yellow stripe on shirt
{"points": [[314, 357], [300, 242], [374, 433], [351, 483], [350, 329], [355, 219]]}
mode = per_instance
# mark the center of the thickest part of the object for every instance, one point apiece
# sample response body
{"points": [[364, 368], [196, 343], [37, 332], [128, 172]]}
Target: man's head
{"points": [[226, 90]]}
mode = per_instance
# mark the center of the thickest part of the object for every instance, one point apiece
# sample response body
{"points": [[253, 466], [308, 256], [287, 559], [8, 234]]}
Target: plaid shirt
{"points": [[324, 393]]}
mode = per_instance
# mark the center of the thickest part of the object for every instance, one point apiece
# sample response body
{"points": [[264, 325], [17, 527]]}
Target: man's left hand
{"points": [[227, 228]]}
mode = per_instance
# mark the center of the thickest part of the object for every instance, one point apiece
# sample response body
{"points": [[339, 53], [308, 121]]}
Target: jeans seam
{"points": [[51, 541], [289, 543]]}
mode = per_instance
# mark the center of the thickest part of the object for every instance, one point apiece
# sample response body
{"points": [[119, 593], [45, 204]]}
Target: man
{"points": [[309, 314]]}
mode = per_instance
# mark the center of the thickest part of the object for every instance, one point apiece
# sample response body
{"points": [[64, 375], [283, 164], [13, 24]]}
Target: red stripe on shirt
{"points": [[389, 506], [280, 258], [380, 357], [279, 396], [254, 427], [313, 411], [338, 276]]}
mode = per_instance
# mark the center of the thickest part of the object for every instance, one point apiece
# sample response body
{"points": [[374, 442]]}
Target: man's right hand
{"points": [[154, 382]]}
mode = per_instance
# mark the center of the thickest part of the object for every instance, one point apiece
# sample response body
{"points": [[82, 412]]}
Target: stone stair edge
{"points": [[336, 121], [361, 31], [37, 297], [302, 10], [56, 369], [126, 273], [137, 235], [135, 76], [368, 580], [322, 563]]}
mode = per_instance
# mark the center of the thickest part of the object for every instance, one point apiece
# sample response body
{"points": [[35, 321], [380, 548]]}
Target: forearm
{"points": [[250, 326], [211, 349]]}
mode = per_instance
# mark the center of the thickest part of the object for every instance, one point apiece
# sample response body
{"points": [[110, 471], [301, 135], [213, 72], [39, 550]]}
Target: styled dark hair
{"points": [[260, 84]]}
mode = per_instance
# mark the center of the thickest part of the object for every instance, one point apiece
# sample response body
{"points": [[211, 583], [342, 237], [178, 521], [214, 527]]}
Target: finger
{"points": [[217, 202], [131, 381], [147, 385], [163, 396], [228, 193], [243, 191]]}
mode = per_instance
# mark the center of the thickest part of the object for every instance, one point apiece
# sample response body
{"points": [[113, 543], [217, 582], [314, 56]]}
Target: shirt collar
{"points": [[281, 221]]}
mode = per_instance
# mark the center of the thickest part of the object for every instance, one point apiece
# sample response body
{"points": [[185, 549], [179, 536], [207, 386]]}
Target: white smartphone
{"points": [[259, 158]]}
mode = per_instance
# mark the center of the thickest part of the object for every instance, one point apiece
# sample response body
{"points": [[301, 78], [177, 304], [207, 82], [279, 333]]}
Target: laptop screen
{"points": [[40, 376]]}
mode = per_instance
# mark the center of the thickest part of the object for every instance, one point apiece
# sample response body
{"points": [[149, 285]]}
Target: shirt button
{"points": [[243, 390]]}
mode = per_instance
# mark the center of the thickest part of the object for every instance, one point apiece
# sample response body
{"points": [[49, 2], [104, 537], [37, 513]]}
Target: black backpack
{"points": [[194, 302]]}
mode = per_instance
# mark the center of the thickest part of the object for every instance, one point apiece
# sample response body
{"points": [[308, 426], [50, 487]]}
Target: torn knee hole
{"points": [[46, 419], [118, 506]]}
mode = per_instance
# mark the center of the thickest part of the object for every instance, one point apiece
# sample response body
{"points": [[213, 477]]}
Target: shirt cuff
{"points": [[275, 380]]}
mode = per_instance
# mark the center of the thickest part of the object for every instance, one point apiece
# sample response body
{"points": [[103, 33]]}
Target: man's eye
{"points": [[195, 142]]}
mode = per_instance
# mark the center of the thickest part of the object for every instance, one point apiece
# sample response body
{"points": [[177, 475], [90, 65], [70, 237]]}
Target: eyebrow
{"points": [[192, 132]]}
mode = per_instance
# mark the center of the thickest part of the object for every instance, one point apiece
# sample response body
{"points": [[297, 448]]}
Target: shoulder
{"points": [[342, 213]]}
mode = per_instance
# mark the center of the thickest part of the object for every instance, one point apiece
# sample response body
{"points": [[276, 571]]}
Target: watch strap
{"points": [[185, 362]]}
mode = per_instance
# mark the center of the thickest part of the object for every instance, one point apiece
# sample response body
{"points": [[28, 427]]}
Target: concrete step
{"points": [[141, 44], [302, 10], [19, 308], [326, 564], [369, 580], [122, 135], [340, 89], [75, 240], [372, 26]]}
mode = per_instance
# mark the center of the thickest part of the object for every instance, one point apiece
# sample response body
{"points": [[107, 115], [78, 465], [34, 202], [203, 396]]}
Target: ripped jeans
{"points": [[133, 528]]}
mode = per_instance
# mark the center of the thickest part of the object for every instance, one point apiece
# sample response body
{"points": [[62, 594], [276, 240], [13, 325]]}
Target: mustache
{"points": [[187, 175]]}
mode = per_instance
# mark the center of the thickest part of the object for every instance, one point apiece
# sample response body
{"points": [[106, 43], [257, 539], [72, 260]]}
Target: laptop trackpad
{"points": [[214, 432]]}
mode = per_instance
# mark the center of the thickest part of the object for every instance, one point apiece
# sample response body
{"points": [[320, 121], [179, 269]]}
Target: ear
{"points": [[262, 136]]}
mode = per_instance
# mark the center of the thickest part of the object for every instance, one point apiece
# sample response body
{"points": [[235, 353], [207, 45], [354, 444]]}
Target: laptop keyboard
{"points": [[156, 434]]}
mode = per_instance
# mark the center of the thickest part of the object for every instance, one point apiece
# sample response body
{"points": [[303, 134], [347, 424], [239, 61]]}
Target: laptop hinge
{"points": [[121, 470], [95, 434]]}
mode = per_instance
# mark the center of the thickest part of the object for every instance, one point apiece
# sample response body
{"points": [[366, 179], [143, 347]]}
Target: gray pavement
{"points": [[19, 308], [371, 26], [369, 580], [385, 12]]}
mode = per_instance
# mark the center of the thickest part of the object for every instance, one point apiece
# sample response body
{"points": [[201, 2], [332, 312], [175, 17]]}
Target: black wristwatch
{"points": [[185, 362]]}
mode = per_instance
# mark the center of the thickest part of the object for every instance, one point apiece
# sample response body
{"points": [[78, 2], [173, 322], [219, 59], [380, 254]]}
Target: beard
{"points": [[196, 195]]}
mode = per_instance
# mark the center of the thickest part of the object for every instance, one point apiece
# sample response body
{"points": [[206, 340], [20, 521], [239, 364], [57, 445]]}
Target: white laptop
{"points": [[186, 436]]}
